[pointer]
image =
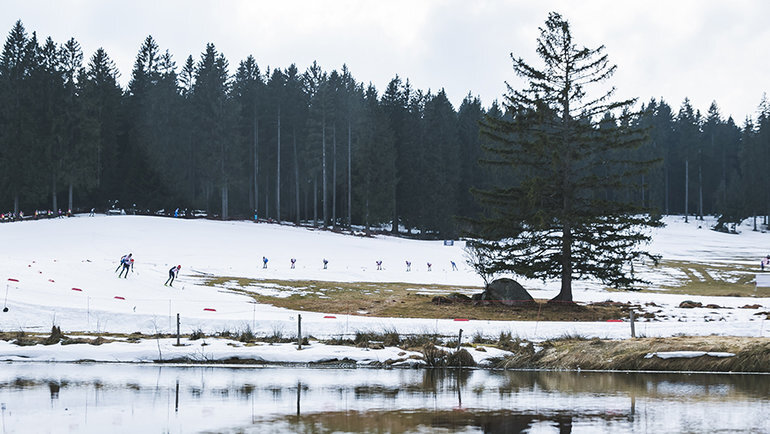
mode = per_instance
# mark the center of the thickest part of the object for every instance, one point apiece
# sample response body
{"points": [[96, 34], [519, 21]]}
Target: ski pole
{"points": [[5, 303]]}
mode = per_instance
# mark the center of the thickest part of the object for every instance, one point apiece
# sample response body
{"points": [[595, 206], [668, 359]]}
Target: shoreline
{"points": [[684, 354]]}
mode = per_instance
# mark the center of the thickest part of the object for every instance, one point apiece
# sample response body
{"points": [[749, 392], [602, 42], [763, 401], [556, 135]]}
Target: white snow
{"points": [[687, 354], [51, 257]]}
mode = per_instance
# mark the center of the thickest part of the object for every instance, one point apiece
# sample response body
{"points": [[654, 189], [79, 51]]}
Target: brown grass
{"points": [[713, 279], [402, 300], [751, 354]]}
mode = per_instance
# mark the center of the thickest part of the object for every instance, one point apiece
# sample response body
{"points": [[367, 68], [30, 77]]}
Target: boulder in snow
{"points": [[505, 291]]}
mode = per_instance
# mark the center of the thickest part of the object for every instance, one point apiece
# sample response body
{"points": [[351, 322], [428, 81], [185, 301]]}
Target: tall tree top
{"points": [[568, 72]]}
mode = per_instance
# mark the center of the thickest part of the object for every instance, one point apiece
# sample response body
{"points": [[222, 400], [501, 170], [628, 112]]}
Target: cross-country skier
{"points": [[379, 265], [326, 262], [264, 262], [408, 266], [172, 273], [293, 261], [454, 266], [127, 263], [429, 265], [122, 260]]}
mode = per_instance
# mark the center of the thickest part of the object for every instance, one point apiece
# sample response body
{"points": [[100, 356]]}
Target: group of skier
{"points": [[293, 262], [378, 263], [127, 263]]}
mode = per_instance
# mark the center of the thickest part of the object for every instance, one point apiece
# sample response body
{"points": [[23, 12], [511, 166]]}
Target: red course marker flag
{"points": [[208, 309], [614, 320], [77, 289], [51, 280], [461, 319], [13, 280], [119, 297], [330, 316]]}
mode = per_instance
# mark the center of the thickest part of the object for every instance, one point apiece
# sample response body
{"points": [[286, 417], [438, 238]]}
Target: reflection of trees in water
{"points": [[436, 380], [631, 383], [422, 421]]}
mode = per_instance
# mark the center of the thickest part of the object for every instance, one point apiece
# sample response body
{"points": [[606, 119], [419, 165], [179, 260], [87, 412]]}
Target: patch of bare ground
{"points": [[751, 354], [401, 300], [712, 279]]}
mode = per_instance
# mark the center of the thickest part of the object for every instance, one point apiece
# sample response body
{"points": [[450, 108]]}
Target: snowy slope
{"points": [[51, 257]]}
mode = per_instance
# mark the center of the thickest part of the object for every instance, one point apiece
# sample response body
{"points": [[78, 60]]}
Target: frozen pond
{"points": [[98, 398]]}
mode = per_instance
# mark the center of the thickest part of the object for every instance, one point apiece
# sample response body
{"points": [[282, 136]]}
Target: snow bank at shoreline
{"points": [[211, 350]]}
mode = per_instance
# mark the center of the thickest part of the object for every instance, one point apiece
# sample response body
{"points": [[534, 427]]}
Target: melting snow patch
{"points": [[686, 354]]}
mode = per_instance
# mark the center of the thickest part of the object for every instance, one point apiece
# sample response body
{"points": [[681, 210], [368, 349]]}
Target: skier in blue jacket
{"points": [[172, 273]]}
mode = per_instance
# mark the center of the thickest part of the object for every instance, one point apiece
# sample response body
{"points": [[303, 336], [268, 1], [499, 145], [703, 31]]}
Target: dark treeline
{"points": [[305, 145]]}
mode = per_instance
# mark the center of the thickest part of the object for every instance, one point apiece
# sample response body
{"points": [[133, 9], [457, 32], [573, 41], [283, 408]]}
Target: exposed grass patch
{"points": [[751, 354], [406, 300], [713, 279]]}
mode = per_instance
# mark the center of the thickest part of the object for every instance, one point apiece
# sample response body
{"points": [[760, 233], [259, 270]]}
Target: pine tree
{"points": [[18, 143], [375, 167], [556, 222], [101, 95], [247, 93], [210, 104]]}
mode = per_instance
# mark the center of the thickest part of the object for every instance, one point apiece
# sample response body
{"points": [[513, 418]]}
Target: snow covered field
{"points": [[63, 271]]}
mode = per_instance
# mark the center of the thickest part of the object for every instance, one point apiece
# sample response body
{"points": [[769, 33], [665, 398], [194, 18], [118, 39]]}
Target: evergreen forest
{"points": [[314, 146]]}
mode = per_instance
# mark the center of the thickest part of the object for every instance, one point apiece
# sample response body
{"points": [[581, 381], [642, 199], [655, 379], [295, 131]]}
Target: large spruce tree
{"points": [[557, 221]]}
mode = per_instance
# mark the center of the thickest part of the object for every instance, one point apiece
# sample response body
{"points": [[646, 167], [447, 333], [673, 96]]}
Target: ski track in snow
{"points": [[51, 257]]}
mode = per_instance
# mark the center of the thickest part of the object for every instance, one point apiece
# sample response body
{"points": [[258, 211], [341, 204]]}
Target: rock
{"points": [[505, 291], [458, 298], [440, 299], [689, 304], [451, 298]]}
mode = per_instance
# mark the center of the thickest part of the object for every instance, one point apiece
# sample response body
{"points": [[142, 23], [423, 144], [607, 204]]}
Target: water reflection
{"points": [[131, 398]]}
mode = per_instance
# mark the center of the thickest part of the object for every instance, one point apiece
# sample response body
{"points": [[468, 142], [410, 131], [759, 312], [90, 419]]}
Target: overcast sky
{"points": [[705, 50]]}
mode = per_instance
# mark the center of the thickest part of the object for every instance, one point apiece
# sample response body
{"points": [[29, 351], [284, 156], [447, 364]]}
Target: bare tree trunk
{"points": [[350, 181], [224, 201], [278, 172], [267, 198], [724, 173], [256, 161], [394, 228], [686, 189], [700, 185], [99, 153], [69, 202], [315, 200], [16, 204], [666, 194], [334, 175], [296, 172], [565, 294], [53, 192], [323, 174], [223, 178]]}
